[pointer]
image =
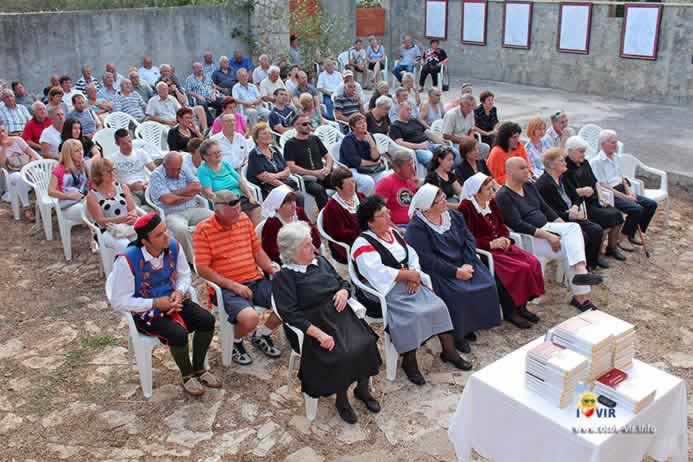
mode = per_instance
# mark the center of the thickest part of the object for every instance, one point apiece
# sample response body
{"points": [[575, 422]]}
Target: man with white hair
{"points": [[148, 72], [162, 107], [234, 148], [14, 115], [208, 64], [86, 79], [402, 96], [223, 78], [524, 211], [139, 86], [260, 72], [174, 190], [270, 84], [201, 89], [559, 131], [108, 91], [35, 126], [117, 78], [129, 102], [639, 210], [247, 95], [459, 122], [328, 82]]}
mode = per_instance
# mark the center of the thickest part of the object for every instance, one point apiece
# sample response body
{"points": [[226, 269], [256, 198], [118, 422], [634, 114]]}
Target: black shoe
{"points": [[602, 263], [458, 362], [587, 279], [414, 376], [615, 253], [518, 321], [586, 306], [264, 344], [371, 403], [471, 337], [463, 345], [528, 315], [346, 412]]}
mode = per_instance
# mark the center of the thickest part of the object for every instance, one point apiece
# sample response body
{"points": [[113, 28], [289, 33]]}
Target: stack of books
{"points": [[554, 372], [623, 348], [594, 341], [627, 392]]}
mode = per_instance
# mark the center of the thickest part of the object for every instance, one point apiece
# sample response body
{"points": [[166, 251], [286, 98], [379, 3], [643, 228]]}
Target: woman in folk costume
{"points": [[150, 280], [518, 273], [391, 267], [447, 252], [279, 208]]}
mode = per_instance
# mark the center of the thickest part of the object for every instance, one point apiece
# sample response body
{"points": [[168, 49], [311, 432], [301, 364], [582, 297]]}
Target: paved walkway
{"points": [[661, 136]]}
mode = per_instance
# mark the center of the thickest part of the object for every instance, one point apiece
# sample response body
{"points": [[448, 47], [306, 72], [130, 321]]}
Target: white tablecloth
{"points": [[504, 421]]}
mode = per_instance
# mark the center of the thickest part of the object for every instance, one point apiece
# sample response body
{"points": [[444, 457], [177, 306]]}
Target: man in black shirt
{"points": [[306, 156], [524, 211], [282, 114]]}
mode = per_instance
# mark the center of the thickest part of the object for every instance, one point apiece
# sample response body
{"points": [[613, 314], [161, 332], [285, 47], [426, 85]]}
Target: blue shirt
{"points": [[407, 56], [248, 93], [86, 120], [235, 65], [160, 184], [224, 79], [353, 151], [201, 87], [107, 94], [281, 117]]}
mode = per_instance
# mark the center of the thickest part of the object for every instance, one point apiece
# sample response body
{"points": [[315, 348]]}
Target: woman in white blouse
{"points": [[391, 267]]}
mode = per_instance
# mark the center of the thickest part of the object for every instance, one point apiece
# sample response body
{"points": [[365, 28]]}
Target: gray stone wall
{"points": [[34, 46], [669, 79]]}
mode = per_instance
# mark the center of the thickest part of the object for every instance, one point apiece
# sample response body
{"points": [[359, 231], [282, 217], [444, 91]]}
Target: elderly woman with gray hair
{"points": [[338, 348], [581, 185]]}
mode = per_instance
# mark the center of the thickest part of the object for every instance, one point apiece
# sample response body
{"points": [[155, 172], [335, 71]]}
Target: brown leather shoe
{"points": [[193, 387]]}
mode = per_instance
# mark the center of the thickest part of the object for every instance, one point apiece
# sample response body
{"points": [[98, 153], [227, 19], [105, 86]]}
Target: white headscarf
{"points": [[423, 199], [472, 185], [274, 200]]}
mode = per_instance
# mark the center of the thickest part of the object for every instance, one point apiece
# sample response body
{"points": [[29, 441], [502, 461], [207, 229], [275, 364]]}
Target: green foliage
{"points": [[320, 34], [368, 4]]}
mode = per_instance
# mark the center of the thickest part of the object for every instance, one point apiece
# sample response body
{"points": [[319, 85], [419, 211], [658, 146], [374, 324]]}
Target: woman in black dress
{"points": [[179, 136], [440, 174], [338, 348], [471, 163]]}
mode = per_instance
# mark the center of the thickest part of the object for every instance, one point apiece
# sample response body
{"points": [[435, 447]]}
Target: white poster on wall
{"points": [[640, 31], [436, 19], [517, 25], [574, 27], [474, 22]]}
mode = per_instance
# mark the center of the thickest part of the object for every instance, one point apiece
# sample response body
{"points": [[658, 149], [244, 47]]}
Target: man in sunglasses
{"points": [[228, 253]]}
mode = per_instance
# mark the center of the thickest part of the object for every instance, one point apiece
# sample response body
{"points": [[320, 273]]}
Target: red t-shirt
{"points": [[32, 129], [397, 194]]}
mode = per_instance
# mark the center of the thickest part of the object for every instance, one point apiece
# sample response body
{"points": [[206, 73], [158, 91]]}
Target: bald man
{"points": [[173, 189], [524, 211]]}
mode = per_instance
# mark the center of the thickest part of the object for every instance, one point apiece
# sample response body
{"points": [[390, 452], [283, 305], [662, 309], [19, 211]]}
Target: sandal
{"points": [[193, 387], [209, 380]]}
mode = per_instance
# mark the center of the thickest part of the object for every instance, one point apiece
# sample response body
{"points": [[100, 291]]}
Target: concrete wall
{"points": [[669, 79], [34, 46]]}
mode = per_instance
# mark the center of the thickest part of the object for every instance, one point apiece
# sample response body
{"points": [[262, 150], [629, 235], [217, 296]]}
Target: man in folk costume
{"points": [[150, 279]]}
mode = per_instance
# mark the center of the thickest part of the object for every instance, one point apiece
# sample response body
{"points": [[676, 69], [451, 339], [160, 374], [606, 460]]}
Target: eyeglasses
{"points": [[305, 124]]}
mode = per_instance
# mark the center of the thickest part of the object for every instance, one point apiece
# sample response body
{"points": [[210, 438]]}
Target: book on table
{"points": [[554, 372], [628, 392]]}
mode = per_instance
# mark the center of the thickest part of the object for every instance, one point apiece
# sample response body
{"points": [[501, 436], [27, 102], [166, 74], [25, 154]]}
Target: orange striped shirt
{"points": [[228, 251]]}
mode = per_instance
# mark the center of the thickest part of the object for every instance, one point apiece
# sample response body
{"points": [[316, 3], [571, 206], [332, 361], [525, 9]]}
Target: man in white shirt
{"points": [[234, 148], [559, 131], [459, 122], [148, 72], [164, 308], [271, 83], [162, 107], [68, 92], [51, 136], [130, 165], [247, 95], [260, 72], [639, 210], [328, 82], [14, 115]]}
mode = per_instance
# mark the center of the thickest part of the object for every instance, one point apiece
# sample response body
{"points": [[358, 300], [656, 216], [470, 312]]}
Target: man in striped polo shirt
{"points": [[129, 102], [228, 253]]}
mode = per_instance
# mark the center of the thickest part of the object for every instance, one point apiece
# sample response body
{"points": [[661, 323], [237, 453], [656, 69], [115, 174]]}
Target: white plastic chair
{"points": [[153, 132], [257, 192], [527, 243], [201, 202], [140, 346], [629, 165], [106, 139], [12, 195], [328, 134], [384, 67], [343, 60], [391, 355], [382, 142], [118, 120], [258, 229], [38, 175], [153, 150], [285, 137], [590, 133], [327, 238]]}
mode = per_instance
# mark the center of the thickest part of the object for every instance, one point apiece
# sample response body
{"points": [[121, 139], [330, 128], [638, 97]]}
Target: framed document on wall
{"points": [[640, 31], [517, 24], [474, 15], [574, 22], [437, 19]]}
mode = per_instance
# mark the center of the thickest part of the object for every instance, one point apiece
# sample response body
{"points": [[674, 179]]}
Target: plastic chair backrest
{"points": [[37, 174], [328, 135], [286, 136], [153, 150], [148, 200], [590, 133], [150, 131], [343, 59], [382, 142], [106, 139], [334, 150], [628, 165], [119, 120], [258, 229]]}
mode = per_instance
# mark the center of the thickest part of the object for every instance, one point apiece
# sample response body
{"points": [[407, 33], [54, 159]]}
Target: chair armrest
{"points": [[426, 280], [357, 282], [299, 182], [489, 259], [193, 294], [217, 293], [516, 237], [257, 192], [333, 123], [357, 307], [663, 183], [637, 185]]}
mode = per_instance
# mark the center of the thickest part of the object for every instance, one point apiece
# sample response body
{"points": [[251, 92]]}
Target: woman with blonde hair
{"points": [[413, 95], [111, 206], [537, 144], [308, 106], [69, 180]]}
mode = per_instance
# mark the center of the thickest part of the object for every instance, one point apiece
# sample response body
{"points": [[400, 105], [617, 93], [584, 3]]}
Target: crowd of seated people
{"points": [[242, 154]]}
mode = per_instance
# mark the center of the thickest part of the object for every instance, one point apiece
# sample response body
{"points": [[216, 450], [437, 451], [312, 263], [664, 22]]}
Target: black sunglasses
{"points": [[305, 124]]}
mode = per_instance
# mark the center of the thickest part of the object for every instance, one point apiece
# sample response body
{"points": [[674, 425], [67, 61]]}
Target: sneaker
{"points": [[264, 344], [239, 355]]}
